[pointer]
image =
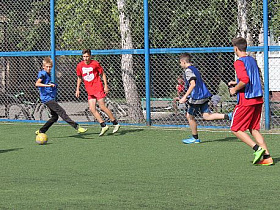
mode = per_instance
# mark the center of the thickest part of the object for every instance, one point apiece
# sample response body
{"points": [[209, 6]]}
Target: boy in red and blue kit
{"points": [[247, 112]]}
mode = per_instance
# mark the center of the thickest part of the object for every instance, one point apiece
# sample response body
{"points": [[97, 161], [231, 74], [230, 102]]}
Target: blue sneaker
{"points": [[229, 116], [191, 140]]}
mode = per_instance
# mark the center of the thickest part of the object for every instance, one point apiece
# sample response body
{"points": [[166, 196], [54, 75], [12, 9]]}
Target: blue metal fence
{"points": [[147, 52]]}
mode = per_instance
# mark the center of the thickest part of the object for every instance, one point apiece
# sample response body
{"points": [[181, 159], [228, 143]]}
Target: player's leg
{"points": [[254, 130], [62, 113], [92, 106], [50, 122], [207, 115], [243, 117], [193, 126], [104, 108]]}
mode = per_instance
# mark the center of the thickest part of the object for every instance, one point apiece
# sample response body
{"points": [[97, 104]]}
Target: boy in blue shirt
{"points": [[48, 92], [198, 96]]}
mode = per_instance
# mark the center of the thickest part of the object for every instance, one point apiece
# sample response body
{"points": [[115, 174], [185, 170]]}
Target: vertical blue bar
{"points": [[52, 8], [266, 65], [147, 61]]}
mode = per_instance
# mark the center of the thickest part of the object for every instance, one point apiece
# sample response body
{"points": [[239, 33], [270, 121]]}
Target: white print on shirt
{"points": [[89, 73]]}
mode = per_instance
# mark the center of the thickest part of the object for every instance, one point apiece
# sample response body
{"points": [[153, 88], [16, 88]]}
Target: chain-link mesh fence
{"points": [[106, 25]]}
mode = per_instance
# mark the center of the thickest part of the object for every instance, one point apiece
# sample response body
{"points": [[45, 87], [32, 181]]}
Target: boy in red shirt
{"points": [[247, 112], [180, 87], [91, 72]]}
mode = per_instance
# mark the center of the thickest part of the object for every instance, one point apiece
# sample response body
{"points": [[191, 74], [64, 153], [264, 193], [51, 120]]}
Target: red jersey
{"points": [[90, 74], [243, 76]]}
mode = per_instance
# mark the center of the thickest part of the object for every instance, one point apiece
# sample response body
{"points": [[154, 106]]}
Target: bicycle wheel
{"points": [[17, 112], [44, 112]]}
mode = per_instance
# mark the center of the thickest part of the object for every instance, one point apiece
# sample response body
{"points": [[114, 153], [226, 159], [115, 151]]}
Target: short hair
{"points": [[240, 43], [186, 57], [47, 60], [86, 51]]}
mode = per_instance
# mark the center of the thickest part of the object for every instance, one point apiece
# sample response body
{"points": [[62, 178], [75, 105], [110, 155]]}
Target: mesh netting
{"points": [[112, 25]]}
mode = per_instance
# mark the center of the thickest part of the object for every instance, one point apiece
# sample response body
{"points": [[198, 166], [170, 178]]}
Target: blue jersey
{"points": [[200, 93], [253, 88], [46, 93]]}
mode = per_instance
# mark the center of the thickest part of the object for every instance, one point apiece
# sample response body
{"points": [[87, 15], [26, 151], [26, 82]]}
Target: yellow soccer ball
{"points": [[41, 138]]}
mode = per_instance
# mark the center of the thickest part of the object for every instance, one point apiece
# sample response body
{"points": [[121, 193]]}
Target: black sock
{"points": [[256, 147], [103, 124], [115, 122], [226, 117], [266, 156], [195, 136]]}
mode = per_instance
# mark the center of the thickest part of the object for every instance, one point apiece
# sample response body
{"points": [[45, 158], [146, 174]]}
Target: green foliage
{"points": [[95, 25], [274, 18]]}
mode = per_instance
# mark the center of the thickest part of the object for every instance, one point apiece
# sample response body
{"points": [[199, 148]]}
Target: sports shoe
{"points": [[265, 162], [191, 140], [229, 116], [258, 154], [116, 128], [37, 132], [81, 130], [103, 130]]}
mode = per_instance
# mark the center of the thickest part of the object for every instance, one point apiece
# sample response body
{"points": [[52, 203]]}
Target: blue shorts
{"points": [[194, 109]]}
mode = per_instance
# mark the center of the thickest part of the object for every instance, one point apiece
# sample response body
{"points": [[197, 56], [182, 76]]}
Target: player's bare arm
{"points": [[236, 88], [190, 89], [40, 84], [79, 81], [104, 78]]}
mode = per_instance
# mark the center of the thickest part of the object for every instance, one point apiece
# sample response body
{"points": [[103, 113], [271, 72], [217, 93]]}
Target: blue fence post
{"points": [[266, 65], [52, 22], [147, 61]]}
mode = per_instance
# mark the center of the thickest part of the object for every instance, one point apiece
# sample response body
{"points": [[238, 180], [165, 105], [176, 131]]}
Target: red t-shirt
{"points": [[90, 74], [243, 76]]}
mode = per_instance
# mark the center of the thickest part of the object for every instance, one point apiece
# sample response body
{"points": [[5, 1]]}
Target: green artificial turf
{"points": [[137, 168]]}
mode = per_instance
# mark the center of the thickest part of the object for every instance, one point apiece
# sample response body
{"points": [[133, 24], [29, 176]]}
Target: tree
{"points": [[131, 93]]}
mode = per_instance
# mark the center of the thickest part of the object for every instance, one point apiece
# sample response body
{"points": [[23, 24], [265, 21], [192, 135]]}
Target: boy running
{"points": [[198, 95], [247, 112], [90, 71]]}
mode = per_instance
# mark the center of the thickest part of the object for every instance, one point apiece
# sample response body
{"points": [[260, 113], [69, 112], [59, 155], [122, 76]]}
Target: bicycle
{"points": [[18, 109], [119, 111]]}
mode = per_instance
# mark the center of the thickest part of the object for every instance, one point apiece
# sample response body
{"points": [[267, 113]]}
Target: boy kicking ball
{"points": [[48, 92]]}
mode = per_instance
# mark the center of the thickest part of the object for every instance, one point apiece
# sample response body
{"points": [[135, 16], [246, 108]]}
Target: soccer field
{"points": [[137, 168]]}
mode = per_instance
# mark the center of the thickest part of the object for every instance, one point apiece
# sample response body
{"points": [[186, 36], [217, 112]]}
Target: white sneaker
{"points": [[116, 128], [104, 130]]}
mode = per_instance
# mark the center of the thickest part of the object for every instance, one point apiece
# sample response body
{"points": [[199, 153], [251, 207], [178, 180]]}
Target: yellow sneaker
{"points": [[81, 130], [103, 130], [116, 128], [37, 132]]}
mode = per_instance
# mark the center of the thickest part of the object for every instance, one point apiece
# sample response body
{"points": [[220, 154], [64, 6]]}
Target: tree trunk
{"points": [[244, 31], [131, 94]]}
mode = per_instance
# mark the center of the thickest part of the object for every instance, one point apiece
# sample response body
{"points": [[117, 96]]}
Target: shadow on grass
{"points": [[276, 160], [9, 150], [123, 132], [79, 136], [95, 134], [228, 139]]}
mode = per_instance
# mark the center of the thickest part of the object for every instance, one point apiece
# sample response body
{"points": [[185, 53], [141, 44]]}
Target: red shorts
{"points": [[97, 96], [246, 117]]}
